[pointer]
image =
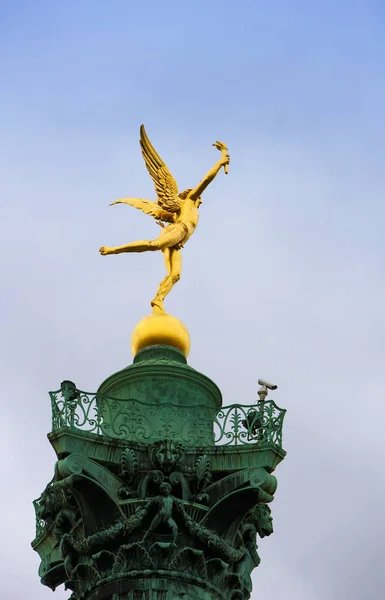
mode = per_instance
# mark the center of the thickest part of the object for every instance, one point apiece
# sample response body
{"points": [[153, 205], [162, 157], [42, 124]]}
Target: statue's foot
{"points": [[104, 250], [157, 306]]}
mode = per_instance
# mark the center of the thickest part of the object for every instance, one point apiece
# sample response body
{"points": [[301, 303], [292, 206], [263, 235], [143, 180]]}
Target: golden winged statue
{"points": [[180, 210]]}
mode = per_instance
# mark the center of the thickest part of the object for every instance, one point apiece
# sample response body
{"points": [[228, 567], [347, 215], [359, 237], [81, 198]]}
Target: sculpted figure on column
{"points": [[179, 210]]}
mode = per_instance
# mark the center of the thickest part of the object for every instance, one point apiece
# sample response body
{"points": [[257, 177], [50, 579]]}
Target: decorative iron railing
{"points": [[245, 424], [133, 420]]}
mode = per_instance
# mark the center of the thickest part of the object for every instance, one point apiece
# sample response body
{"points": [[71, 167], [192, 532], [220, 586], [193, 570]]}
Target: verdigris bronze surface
{"points": [[157, 498]]}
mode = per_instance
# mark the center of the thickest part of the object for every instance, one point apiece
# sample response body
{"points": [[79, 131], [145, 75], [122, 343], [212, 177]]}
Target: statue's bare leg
{"points": [[157, 520], [174, 528], [170, 236], [173, 262]]}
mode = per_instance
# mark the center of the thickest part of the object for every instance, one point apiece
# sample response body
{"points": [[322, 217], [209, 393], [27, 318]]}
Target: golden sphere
{"points": [[162, 329]]}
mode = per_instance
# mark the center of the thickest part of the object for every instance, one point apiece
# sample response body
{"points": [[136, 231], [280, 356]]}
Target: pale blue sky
{"points": [[288, 285]]}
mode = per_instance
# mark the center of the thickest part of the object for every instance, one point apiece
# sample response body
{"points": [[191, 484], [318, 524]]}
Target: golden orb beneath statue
{"points": [[162, 329]]}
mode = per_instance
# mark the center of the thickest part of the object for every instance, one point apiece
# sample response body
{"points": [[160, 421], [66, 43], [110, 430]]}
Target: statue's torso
{"points": [[189, 216]]}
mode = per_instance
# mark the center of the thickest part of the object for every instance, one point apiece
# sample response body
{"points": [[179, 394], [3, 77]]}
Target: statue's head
{"points": [[166, 454], [64, 522], [183, 195], [263, 519], [165, 488], [50, 503]]}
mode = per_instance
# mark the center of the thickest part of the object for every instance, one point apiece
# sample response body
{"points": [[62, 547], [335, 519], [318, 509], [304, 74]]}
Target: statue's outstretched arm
{"points": [[208, 178]]}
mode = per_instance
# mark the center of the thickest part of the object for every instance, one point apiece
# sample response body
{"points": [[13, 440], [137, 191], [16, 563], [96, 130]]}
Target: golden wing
{"points": [[148, 207], [165, 184]]}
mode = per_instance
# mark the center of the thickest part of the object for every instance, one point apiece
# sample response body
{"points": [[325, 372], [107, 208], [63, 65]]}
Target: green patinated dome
{"points": [[161, 374], [160, 395]]}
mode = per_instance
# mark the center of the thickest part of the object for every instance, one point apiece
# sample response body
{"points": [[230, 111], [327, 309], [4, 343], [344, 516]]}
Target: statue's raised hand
{"points": [[225, 155]]}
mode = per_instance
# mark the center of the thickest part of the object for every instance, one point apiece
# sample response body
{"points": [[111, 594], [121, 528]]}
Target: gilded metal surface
{"points": [[179, 210], [163, 329]]}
